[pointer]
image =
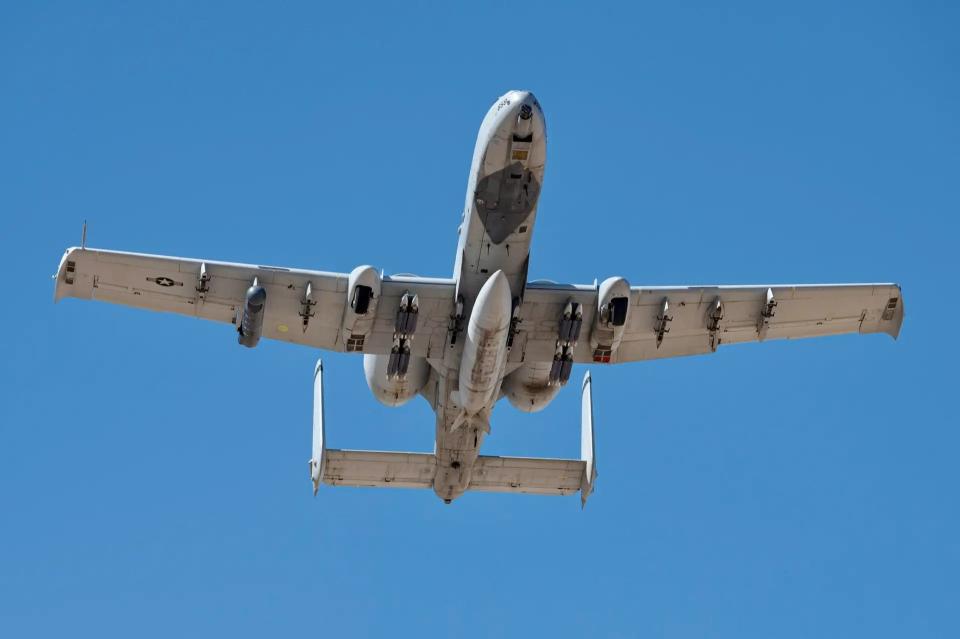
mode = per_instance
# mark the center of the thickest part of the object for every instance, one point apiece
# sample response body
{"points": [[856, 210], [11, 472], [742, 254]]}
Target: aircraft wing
{"points": [[673, 321], [215, 291]]}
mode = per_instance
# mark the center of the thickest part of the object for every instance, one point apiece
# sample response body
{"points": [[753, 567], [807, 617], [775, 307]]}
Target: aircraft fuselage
{"points": [[491, 270]]}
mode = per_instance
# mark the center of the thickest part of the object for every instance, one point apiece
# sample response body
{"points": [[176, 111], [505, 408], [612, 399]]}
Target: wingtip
{"points": [[58, 277], [894, 330], [897, 322]]}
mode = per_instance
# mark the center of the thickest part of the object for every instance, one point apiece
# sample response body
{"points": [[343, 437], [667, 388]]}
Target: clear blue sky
{"points": [[153, 474]]}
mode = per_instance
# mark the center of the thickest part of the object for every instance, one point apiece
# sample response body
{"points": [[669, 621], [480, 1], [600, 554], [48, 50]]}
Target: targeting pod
{"points": [[251, 322]]}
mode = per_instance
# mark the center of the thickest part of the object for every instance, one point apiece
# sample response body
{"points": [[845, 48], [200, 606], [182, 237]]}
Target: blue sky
{"points": [[154, 473]]}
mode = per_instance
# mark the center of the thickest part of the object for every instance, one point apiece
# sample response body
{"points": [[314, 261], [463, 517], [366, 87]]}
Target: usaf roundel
{"points": [[164, 281]]}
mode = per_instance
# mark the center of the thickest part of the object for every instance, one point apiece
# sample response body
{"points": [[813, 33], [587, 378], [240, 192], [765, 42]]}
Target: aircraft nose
{"points": [[523, 103], [520, 96], [519, 114], [518, 103]]}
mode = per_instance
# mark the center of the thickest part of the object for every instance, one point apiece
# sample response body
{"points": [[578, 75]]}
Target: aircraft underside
{"points": [[464, 342]]}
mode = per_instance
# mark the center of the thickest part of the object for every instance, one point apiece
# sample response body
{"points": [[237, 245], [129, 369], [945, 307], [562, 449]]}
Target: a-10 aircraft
{"points": [[465, 342]]}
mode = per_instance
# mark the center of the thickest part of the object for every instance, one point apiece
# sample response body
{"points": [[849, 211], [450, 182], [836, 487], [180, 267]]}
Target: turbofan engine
{"points": [[528, 388], [395, 390]]}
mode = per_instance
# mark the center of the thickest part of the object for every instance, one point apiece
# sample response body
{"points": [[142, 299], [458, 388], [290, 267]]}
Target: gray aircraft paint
{"points": [[505, 198], [498, 238], [659, 322]]}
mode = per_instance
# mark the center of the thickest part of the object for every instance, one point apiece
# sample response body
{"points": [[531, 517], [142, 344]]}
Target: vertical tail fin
{"points": [[319, 447], [587, 442]]}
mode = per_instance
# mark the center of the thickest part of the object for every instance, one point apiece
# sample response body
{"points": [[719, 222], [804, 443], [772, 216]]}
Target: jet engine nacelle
{"points": [[394, 391], [528, 387], [613, 310]]}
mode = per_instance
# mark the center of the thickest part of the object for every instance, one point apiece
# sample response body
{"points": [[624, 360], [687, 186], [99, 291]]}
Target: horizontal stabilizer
{"points": [[527, 475], [381, 469]]}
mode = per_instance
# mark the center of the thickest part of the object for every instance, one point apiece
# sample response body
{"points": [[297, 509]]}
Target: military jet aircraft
{"points": [[465, 342]]}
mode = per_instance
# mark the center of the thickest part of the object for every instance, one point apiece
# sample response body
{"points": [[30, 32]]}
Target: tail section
{"points": [[416, 470]]}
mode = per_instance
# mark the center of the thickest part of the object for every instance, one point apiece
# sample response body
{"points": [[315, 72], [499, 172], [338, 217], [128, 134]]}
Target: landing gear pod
{"points": [[613, 310], [394, 390], [251, 322], [528, 388], [363, 293]]}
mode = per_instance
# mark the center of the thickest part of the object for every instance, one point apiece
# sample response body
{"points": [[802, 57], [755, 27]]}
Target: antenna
{"points": [[83, 236]]}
